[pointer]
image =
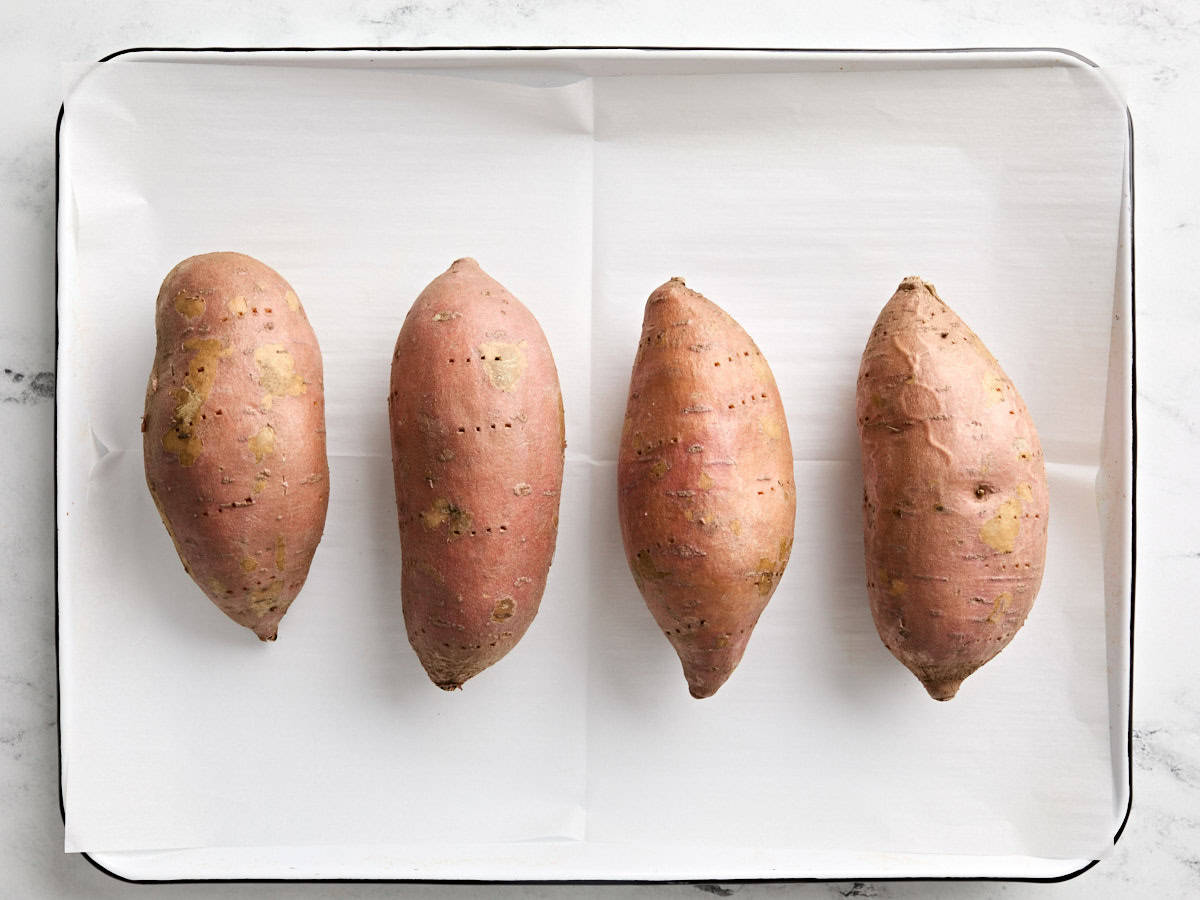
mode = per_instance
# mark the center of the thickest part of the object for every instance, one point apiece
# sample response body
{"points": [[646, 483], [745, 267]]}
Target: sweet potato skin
{"points": [[955, 506], [478, 445], [706, 494], [234, 434]]}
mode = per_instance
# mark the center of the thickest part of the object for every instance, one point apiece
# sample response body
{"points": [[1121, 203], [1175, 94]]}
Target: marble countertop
{"points": [[1149, 51]]}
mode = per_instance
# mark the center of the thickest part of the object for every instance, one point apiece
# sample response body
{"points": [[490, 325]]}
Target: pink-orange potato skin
{"points": [[955, 506], [706, 494], [234, 434], [478, 442]]}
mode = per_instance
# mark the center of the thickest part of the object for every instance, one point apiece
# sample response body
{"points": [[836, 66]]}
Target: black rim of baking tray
{"points": [[573, 881]]}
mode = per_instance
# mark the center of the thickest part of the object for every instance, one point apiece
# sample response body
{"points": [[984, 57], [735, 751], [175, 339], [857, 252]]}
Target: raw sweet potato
{"points": [[705, 491], [956, 506], [477, 449], [234, 434]]}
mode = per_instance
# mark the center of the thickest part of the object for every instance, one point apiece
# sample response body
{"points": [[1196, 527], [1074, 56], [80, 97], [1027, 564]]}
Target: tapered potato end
{"points": [[704, 685], [707, 669], [942, 682], [942, 690]]}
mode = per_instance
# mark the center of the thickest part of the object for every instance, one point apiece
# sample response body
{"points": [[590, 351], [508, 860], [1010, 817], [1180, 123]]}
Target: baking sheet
{"points": [[797, 199]]}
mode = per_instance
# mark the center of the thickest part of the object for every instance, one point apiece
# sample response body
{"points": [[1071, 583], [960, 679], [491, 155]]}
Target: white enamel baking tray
{"points": [[794, 187]]}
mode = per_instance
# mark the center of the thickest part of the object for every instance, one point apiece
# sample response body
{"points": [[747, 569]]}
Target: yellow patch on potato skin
{"points": [[1000, 607], [249, 564], [277, 373], [262, 444], [428, 569], [771, 428], [238, 306], [280, 552], [436, 514], [1025, 491], [259, 485], [898, 588], [180, 439], [1000, 531], [644, 568], [189, 305], [764, 576], [442, 511], [504, 609], [761, 369], [735, 525], [705, 481], [263, 599], [659, 469], [504, 363], [993, 387], [292, 300]]}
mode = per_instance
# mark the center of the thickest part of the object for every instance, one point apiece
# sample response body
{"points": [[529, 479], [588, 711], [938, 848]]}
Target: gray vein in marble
{"points": [[1158, 21], [1151, 752], [29, 179], [17, 387], [1172, 412]]}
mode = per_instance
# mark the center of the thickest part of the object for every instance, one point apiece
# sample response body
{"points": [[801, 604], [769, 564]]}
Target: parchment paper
{"points": [[797, 201]]}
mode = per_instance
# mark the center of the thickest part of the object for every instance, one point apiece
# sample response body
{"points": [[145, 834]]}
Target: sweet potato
{"points": [[705, 490], [234, 434], [955, 506], [477, 449]]}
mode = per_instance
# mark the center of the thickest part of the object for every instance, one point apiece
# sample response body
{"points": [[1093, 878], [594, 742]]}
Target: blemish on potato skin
{"points": [[443, 512], [764, 577], [238, 306], [504, 609], [280, 552], [447, 316], [293, 302], [706, 481], [504, 363], [1000, 607], [189, 305], [277, 373], [249, 564], [262, 444], [262, 600], [181, 439], [659, 469], [771, 428], [522, 489], [436, 514], [993, 387], [645, 568], [1000, 532]]}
